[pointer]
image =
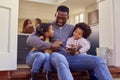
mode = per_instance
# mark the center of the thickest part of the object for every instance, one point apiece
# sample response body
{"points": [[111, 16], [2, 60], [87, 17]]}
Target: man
{"points": [[64, 62]]}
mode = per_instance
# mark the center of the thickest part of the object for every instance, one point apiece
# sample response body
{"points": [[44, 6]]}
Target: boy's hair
{"points": [[44, 27], [39, 20], [63, 9], [86, 29]]}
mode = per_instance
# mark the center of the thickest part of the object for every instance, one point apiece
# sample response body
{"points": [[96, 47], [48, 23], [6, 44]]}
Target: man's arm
{"points": [[36, 42]]}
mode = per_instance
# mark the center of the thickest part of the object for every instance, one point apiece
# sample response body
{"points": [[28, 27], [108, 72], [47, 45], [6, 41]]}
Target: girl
{"points": [[27, 27], [36, 58], [78, 43]]}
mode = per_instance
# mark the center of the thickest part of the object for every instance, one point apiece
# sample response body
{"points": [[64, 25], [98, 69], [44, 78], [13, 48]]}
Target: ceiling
{"points": [[28, 7], [78, 5], [53, 2]]}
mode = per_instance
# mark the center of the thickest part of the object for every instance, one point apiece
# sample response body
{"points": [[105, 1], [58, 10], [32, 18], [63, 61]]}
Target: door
{"points": [[8, 34]]}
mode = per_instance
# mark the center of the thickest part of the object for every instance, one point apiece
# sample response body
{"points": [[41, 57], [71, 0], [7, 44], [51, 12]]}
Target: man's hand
{"points": [[54, 47], [58, 42]]}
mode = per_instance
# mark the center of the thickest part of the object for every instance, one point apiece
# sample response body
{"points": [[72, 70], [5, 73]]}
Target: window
{"points": [[79, 18], [93, 18], [76, 19], [82, 17]]}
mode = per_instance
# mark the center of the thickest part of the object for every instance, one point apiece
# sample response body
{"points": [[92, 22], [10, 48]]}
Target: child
{"points": [[78, 44], [36, 58]]}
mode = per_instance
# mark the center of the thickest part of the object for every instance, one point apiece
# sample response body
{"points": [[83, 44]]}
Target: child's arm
{"points": [[70, 47], [68, 43], [85, 46]]}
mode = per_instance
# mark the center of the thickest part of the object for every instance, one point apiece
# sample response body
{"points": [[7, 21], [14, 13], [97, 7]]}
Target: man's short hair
{"points": [[63, 8]]}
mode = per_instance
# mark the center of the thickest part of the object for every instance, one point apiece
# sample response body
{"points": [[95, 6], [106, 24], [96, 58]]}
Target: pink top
{"points": [[82, 43]]}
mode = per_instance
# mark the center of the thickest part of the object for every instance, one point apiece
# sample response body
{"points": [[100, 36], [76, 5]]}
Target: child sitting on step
{"points": [[37, 57]]}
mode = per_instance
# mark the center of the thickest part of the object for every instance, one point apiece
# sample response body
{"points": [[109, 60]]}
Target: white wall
{"points": [[34, 10], [85, 12], [89, 9], [116, 4], [109, 29], [106, 25]]}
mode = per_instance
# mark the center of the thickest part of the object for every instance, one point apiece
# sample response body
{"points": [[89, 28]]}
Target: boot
{"points": [[34, 76], [92, 76], [48, 75]]}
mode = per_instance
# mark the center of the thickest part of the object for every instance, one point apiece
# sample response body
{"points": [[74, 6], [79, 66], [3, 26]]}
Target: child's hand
{"points": [[73, 50]]}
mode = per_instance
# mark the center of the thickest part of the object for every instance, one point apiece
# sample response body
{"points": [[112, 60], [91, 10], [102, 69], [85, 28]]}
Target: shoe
{"points": [[93, 78], [48, 75], [92, 75], [34, 76]]}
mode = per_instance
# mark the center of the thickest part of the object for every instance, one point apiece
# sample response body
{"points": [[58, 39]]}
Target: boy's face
{"points": [[77, 34], [36, 22], [61, 18], [50, 33]]}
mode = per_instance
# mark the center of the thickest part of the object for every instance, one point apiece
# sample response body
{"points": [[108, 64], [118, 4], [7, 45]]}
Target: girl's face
{"points": [[78, 33], [29, 23], [50, 32]]}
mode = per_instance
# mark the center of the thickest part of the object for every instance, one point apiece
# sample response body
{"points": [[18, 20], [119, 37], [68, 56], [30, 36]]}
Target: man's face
{"points": [[61, 18]]}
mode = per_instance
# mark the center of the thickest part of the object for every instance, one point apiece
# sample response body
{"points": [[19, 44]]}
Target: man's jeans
{"points": [[79, 62], [37, 59]]}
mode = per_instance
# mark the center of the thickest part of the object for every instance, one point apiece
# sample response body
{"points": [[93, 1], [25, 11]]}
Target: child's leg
{"points": [[47, 64], [47, 67], [35, 59]]}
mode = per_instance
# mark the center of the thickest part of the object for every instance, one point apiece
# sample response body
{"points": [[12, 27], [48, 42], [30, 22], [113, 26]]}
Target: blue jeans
{"points": [[64, 62], [36, 60]]}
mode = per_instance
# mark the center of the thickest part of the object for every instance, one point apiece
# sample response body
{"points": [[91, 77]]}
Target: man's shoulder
{"points": [[70, 25], [70, 38]]}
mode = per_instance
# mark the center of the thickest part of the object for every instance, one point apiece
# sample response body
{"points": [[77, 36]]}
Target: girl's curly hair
{"points": [[85, 27], [42, 29]]}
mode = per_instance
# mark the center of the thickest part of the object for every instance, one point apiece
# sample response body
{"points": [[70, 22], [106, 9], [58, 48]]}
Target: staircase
{"points": [[23, 73]]}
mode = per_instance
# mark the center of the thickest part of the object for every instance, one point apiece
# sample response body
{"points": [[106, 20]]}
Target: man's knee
{"points": [[57, 58], [99, 60]]}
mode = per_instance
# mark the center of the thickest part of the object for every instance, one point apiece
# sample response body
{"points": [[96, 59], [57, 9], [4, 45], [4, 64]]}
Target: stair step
{"points": [[23, 71]]}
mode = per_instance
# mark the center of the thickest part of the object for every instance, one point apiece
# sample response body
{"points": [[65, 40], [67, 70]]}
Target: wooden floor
{"points": [[23, 73]]}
